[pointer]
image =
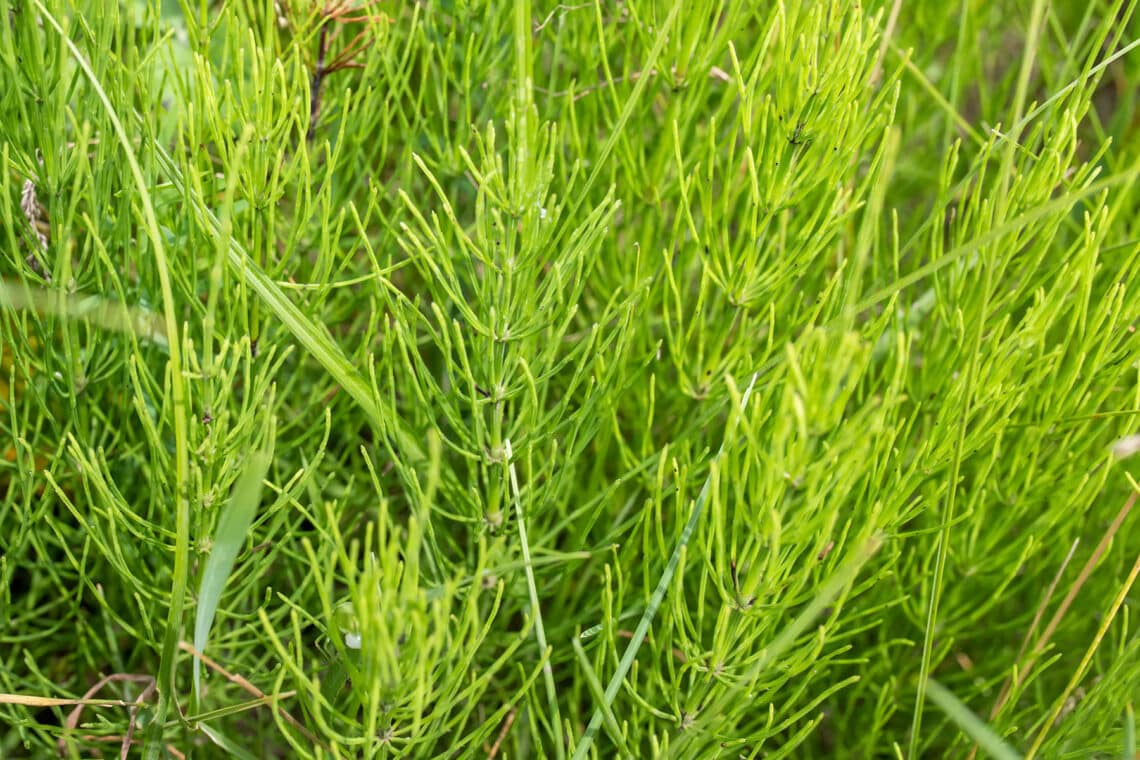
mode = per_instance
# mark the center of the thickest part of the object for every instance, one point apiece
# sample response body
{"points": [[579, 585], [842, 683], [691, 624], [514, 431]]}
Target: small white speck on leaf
{"points": [[1126, 446]]}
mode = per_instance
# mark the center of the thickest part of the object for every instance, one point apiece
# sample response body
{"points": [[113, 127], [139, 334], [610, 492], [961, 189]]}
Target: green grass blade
{"points": [[231, 747], [166, 675], [308, 331], [99, 311], [555, 716], [829, 590], [655, 600], [596, 691], [970, 724], [230, 535]]}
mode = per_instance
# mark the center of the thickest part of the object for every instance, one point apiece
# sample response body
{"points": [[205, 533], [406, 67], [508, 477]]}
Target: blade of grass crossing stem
{"points": [[539, 629], [832, 587], [842, 579], [1037, 16], [315, 340], [104, 313], [654, 602], [230, 535], [595, 687], [1041, 211], [634, 98], [181, 570], [970, 724]]}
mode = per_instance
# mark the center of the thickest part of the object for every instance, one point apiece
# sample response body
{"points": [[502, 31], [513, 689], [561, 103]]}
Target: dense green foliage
{"points": [[638, 378]]}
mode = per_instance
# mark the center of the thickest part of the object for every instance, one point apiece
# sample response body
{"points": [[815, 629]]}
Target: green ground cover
{"points": [[620, 379]]}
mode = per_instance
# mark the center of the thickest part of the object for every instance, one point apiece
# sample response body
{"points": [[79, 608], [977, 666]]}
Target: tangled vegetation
{"points": [[628, 379]]}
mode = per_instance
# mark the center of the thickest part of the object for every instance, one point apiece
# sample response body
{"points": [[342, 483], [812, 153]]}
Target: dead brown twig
{"points": [[248, 687], [337, 16], [507, 722], [127, 739], [1024, 668], [71, 724]]}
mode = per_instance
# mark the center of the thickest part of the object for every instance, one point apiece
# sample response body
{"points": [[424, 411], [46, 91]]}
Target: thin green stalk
{"points": [[948, 513], [181, 573], [524, 97], [1086, 660], [841, 580], [997, 233], [1129, 733], [615, 133], [655, 600], [545, 652], [947, 521]]}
